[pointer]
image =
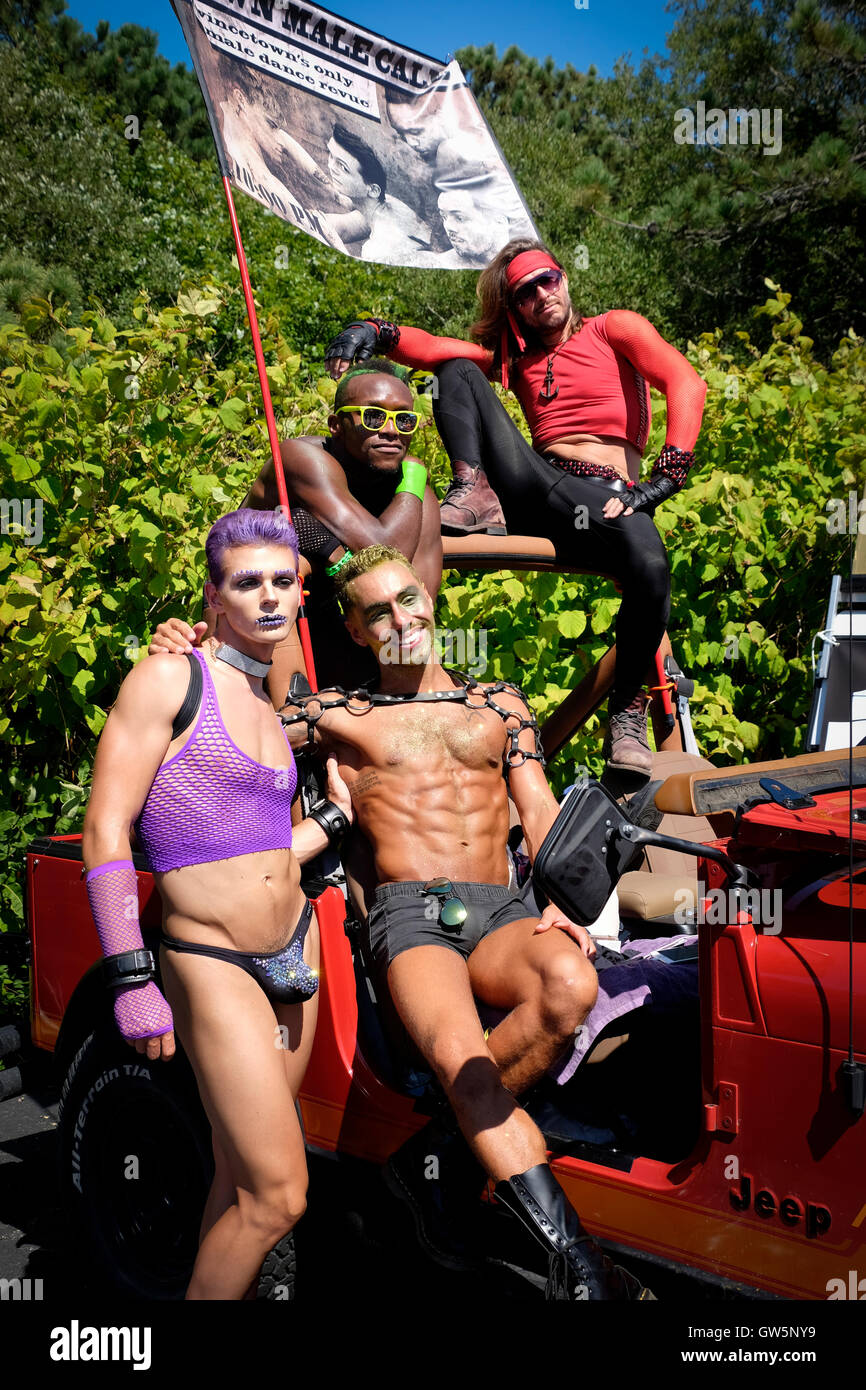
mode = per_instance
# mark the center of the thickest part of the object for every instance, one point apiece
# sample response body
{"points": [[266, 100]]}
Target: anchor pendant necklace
{"points": [[548, 391]]}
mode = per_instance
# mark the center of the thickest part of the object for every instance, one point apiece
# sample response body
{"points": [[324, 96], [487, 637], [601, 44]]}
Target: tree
{"points": [[687, 230], [62, 188], [798, 215], [122, 66]]}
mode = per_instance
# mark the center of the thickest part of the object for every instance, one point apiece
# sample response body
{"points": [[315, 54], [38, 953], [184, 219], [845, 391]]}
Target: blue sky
{"points": [[602, 32]]}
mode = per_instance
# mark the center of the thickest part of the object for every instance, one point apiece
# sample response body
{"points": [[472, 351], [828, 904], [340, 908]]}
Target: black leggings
{"points": [[540, 499]]}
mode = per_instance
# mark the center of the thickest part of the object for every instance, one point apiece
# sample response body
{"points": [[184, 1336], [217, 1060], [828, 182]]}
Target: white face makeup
{"points": [[259, 594]]}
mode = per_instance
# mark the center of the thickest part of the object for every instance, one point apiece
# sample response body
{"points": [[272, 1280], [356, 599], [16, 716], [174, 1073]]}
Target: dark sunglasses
{"points": [[452, 910], [373, 417], [548, 280]]}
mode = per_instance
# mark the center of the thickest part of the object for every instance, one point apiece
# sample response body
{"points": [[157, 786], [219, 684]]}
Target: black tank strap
{"points": [[191, 700]]}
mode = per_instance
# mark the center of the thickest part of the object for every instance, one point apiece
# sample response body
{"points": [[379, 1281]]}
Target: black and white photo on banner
{"points": [[372, 148]]}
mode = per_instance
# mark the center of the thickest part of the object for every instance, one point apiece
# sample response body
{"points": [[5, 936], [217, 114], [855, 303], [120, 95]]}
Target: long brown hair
{"points": [[493, 293]]}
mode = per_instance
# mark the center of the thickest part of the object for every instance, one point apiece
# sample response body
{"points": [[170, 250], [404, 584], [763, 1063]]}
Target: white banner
{"points": [[371, 148]]}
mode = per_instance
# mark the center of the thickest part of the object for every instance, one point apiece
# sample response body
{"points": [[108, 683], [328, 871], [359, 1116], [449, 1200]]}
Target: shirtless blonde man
{"points": [[424, 758]]}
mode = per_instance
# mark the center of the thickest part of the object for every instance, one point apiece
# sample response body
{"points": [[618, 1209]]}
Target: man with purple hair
{"points": [[193, 755]]}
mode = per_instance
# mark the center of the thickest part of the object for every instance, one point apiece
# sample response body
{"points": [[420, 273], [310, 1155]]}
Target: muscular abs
{"points": [[428, 789], [248, 903]]}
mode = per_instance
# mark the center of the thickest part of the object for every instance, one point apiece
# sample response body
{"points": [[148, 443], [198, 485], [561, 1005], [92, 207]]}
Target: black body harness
{"points": [[471, 694]]}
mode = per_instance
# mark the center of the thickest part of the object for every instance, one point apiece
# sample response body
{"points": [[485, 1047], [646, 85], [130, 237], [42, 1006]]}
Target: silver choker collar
{"points": [[248, 664]]}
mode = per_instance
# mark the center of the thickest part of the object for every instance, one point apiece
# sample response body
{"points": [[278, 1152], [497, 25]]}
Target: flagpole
{"points": [[303, 625]]}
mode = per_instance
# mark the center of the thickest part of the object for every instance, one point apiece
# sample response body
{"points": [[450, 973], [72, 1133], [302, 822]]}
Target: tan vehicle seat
{"points": [[651, 892]]}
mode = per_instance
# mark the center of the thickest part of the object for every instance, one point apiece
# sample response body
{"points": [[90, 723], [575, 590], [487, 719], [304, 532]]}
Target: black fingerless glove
{"points": [[360, 340], [645, 497], [315, 541]]}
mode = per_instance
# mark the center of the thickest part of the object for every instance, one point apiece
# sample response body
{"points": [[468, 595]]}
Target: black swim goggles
{"points": [[373, 417], [452, 910]]}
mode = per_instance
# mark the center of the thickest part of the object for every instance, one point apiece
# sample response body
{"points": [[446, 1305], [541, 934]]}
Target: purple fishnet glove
{"points": [[140, 1011]]}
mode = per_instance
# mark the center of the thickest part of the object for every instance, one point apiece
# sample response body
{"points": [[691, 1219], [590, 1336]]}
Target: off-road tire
{"points": [[135, 1167]]}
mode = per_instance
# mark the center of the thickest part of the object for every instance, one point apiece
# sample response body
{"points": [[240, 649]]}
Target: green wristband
{"points": [[333, 569], [414, 479]]}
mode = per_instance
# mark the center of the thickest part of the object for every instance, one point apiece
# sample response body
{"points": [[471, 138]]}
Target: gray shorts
{"points": [[402, 916]]}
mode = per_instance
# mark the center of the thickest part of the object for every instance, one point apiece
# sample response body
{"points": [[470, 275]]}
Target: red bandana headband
{"points": [[516, 270]]}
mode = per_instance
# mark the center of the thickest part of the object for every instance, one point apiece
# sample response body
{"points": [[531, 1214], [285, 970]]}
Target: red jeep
{"points": [[732, 1148]]}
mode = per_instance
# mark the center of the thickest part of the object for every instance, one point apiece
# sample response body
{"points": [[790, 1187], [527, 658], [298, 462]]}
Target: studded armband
{"points": [[389, 335], [675, 464]]}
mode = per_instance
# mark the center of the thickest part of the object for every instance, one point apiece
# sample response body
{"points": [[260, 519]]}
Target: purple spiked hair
{"points": [[246, 526]]}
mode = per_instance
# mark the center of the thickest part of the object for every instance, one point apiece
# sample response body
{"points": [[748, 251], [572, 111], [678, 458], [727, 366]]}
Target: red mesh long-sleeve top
{"points": [[603, 373]]}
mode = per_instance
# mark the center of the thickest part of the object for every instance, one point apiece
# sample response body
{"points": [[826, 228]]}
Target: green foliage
{"points": [[14, 995], [683, 233], [124, 445], [32, 295], [63, 192], [120, 67]]}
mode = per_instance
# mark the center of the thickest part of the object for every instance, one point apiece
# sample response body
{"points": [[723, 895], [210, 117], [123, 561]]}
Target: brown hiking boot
{"points": [[470, 504], [626, 747]]}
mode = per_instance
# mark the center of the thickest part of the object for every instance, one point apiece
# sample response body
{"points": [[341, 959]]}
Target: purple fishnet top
{"points": [[211, 801]]}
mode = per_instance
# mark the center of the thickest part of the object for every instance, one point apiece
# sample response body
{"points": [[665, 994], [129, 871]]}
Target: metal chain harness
{"points": [[361, 701]]}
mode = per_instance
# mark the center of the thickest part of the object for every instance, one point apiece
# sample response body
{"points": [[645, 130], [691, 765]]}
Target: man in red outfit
{"points": [[583, 385]]}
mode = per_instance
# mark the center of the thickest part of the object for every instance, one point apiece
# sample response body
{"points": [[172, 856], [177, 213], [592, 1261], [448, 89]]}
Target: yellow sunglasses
{"points": [[373, 417]]}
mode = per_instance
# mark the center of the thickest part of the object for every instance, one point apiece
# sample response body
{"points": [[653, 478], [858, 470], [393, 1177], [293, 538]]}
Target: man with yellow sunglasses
{"points": [[355, 487], [373, 418]]}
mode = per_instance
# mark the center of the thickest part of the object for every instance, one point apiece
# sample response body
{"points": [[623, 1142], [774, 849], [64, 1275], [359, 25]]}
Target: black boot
{"points": [[579, 1269], [436, 1174]]}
